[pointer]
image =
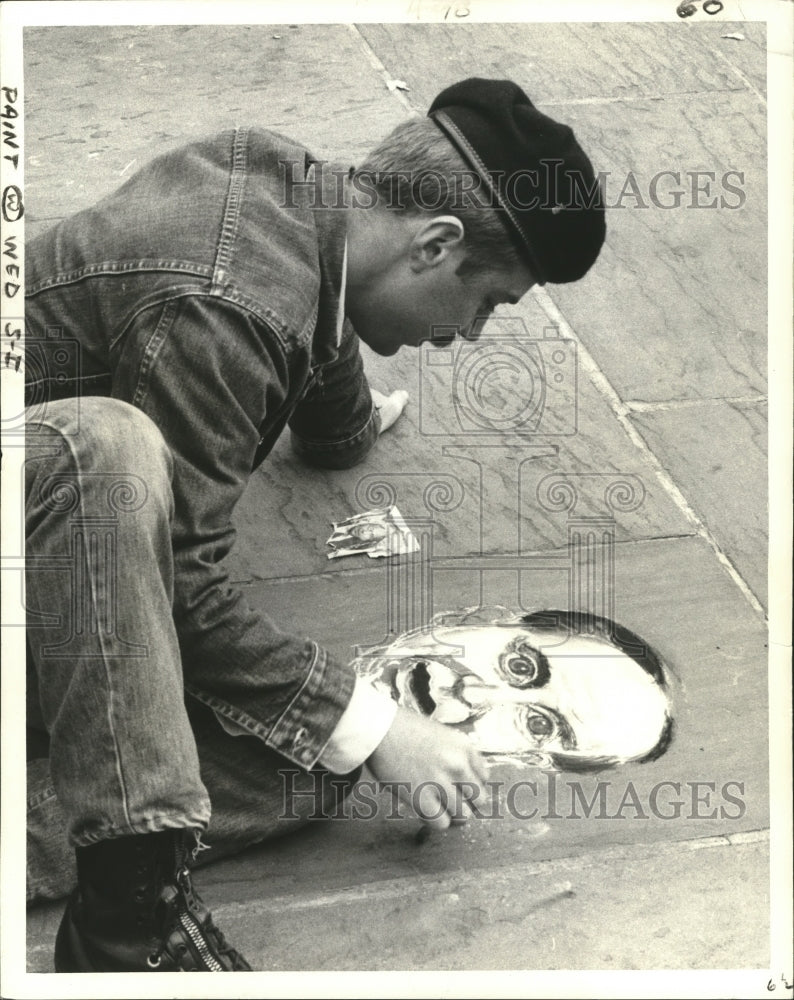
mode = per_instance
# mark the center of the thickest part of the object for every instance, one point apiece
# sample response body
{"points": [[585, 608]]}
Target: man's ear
{"points": [[436, 239]]}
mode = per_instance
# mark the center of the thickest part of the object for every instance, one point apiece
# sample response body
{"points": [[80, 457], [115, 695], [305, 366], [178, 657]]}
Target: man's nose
{"points": [[474, 330]]}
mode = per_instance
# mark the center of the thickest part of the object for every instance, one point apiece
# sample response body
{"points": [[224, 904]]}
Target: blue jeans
{"points": [[127, 751], [198, 295]]}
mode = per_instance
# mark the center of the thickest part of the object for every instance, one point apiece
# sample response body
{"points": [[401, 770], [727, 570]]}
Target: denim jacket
{"points": [[205, 291]]}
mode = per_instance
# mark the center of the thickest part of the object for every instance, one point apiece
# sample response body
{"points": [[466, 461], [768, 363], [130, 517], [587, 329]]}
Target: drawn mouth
{"points": [[419, 686]]}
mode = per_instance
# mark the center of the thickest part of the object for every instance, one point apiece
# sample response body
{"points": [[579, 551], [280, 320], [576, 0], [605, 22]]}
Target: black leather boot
{"points": [[135, 910]]}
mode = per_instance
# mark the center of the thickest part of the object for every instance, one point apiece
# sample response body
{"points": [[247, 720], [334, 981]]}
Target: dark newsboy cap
{"points": [[538, 176]]}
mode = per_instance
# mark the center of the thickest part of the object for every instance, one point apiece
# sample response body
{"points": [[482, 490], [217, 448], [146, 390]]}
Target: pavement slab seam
{"points": [[410, 885], [570, 102], [653, 406], [376, 570], [377, 65], [623, 415], [745, 80]]}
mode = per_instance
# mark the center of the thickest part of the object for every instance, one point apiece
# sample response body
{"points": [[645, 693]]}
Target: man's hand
{"points": [[389, 407], [419, 752]]}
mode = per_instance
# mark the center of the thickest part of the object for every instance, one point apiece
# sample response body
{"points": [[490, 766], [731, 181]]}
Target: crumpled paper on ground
{"points": [[378, 533]]}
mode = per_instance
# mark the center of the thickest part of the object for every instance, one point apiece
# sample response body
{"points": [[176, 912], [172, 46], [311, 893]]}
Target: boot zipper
{"points": [[194, 932], [189, 924]]}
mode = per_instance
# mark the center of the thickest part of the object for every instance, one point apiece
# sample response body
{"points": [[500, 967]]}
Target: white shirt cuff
{"points": [[364, 723]]}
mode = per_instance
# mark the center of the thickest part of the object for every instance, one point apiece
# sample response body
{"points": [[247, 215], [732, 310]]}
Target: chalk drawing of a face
{"points": [[537, 688]]}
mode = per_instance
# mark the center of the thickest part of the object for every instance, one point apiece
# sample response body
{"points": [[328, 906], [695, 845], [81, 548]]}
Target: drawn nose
{"points": [[476, 692]]}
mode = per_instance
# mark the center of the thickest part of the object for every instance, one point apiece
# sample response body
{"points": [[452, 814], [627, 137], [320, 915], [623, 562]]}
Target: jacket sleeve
{"points": [[336, 424], [209, 376]]}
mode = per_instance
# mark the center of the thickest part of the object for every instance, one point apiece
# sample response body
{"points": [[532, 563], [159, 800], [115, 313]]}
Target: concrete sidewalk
{"points": [[669, 398]]}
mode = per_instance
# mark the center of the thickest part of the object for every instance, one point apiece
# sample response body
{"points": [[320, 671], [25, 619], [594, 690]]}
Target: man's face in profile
{"points": [[520, 691], [399, 301]]}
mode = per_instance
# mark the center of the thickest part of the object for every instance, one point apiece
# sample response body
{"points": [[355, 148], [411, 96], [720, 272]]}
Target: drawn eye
{"points": [[521, 670], [522, 665], [536, 728], [539, 725]]}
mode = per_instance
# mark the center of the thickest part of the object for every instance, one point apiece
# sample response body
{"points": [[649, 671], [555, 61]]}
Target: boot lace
{"points": [[223, 947]]}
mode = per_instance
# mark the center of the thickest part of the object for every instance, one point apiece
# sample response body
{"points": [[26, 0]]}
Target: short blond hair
{"points": [[416, 169]]}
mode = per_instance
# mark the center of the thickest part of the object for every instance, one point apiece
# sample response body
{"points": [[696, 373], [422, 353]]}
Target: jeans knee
{"points": [[110, 459], [100, 435]]}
